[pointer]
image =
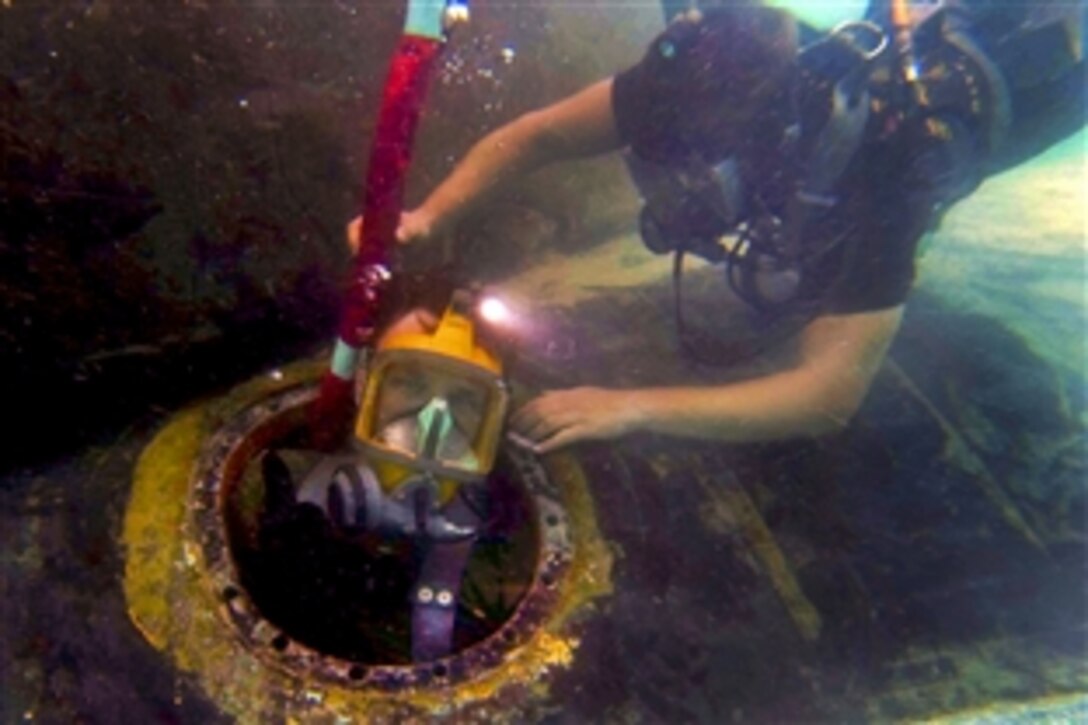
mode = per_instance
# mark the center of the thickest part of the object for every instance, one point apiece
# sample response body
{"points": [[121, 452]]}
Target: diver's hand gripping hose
{"points": [[390, 155]]}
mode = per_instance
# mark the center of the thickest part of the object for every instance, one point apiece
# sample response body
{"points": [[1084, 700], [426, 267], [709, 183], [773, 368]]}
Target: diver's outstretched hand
{"points": [[415, 226], [561, 417]]}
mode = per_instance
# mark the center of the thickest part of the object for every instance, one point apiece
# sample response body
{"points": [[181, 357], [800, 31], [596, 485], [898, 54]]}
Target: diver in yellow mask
{"points": [[430, 420], [426, 437]]}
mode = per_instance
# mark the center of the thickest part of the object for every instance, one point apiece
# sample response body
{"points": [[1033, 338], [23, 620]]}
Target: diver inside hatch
{"points": [[395, 520]]}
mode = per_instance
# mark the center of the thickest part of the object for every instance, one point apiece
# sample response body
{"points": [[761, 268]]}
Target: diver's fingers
{"points": [[353, 232], [414, 225], [521, 441], [427, 319], [521, 418], [538, 429], [560, 439], [533, 422], [542, 435], [413, 322], [534, 414]]}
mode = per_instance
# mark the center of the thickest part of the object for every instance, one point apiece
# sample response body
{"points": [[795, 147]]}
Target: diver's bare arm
{"points": [[578, 126], [839, 357]]}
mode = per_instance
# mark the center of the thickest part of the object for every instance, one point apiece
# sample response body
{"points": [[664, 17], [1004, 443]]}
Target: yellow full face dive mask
{"points": [[433, 403]]}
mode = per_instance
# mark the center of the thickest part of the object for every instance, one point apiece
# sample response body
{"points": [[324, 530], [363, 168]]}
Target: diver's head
{"points": [[738, 63], [435, 400]]}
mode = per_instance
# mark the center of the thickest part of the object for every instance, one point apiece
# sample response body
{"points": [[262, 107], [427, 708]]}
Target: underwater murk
{"points": [[176, 181]]}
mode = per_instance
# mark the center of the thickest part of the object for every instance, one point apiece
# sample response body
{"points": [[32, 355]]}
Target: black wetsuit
{"points": [[907, 171]]}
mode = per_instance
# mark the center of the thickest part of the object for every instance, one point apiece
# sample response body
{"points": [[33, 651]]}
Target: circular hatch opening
{"points": [[318, 600]]}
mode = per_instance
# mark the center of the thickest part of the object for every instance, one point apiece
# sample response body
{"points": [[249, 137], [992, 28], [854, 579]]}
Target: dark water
{"points": [[175, 183]]}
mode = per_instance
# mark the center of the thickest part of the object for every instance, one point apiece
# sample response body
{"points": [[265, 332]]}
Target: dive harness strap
{"points": [[841, 135], [434, 601]]}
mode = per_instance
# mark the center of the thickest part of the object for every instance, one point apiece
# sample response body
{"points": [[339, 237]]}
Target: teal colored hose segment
{"points": [[424, 18]]}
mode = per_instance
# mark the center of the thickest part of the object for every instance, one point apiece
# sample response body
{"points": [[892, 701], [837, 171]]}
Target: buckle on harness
{"points": [[864, 37]]}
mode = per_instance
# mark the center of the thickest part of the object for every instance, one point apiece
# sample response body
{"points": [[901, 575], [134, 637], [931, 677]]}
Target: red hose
{"points": [[390, 154]]}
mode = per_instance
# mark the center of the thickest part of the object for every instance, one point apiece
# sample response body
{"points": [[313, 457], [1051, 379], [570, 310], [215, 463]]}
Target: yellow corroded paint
{"points": [[173, 605], [152, 523], [590, 574]]}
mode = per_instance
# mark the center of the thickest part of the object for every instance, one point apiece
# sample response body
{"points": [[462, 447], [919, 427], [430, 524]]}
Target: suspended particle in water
{"points": [[507, 55]]}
